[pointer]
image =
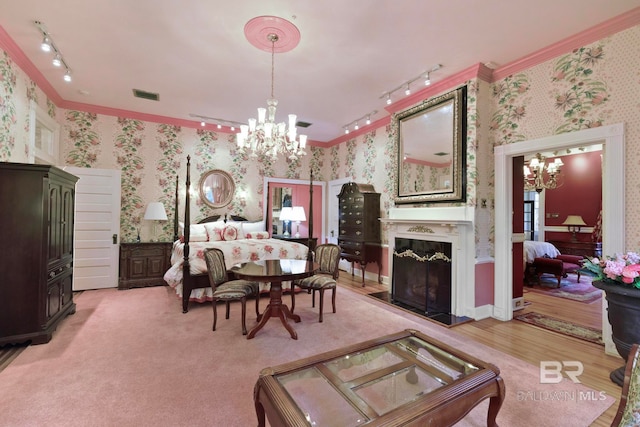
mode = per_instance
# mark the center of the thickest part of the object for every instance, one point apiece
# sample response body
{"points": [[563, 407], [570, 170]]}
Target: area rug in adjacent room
{"points": [[562, 326], [581, 291], [132, 358]]}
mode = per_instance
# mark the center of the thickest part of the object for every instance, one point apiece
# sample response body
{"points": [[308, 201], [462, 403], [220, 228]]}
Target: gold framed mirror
{"points": [[431, 150], [216, 188]]}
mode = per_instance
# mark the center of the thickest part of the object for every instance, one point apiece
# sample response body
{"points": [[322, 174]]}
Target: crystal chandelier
{"points": [[264, 136], [534, 174]]}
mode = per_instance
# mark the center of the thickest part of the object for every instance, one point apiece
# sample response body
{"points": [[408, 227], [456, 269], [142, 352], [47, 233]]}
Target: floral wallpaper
{"points": [[595, 85], [7, 108], [128, 141]]}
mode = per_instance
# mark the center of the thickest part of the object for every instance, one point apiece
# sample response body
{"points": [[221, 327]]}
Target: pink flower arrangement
{"points": [[623, 269]]}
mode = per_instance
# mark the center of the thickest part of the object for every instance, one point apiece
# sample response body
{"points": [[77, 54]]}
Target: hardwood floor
{"points": [[532, 344]]}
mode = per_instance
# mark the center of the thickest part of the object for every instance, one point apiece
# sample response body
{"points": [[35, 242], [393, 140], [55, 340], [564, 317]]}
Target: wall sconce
{"points": [[155, 212], [573, 223]]}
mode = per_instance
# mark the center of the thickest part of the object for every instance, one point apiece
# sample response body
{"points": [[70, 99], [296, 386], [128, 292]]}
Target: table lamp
{"points": [[155, 212], [298, 216], [573, 223], [286, 215]]}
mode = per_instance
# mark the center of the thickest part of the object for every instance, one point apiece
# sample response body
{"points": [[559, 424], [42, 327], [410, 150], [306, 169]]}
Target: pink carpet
{"points": [[132, 358]]}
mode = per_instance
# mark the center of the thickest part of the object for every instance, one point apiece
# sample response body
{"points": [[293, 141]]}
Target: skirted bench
{"points": [[559, 266]]}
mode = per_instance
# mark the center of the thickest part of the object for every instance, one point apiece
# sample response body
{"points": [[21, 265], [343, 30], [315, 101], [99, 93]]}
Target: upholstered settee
{"points": [[559, 266]]}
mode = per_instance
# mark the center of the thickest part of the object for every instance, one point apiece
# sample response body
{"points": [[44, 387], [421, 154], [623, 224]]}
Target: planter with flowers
{"points": [[619, 278]]}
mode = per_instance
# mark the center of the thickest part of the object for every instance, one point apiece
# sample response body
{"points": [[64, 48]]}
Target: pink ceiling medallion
{"points": [[259, 32]]}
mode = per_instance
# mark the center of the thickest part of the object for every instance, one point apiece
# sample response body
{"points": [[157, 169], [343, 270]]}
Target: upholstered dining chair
{"points": [[327, 256], [228, 290]]}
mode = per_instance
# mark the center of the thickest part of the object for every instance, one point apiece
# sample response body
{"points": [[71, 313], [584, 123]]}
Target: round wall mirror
{"points": [[216, 188]]}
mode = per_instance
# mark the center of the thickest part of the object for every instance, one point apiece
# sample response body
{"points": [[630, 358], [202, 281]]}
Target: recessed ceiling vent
{"points": [[146, 95], [441, 153], [303, 124]]}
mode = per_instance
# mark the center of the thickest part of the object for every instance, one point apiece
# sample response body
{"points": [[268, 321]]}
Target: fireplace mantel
{"points": [[454, 224]]}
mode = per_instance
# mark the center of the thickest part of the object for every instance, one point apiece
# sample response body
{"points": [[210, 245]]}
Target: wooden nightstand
{"points": [[303, 240], [585, 249], [144, 264]]}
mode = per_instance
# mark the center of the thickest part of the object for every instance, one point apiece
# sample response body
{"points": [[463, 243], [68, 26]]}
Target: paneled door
{"points": [[97, 228]]}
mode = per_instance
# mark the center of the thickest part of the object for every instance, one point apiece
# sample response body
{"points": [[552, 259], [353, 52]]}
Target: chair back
{"points": [[629, 405], [216, 268], [328, 257]]}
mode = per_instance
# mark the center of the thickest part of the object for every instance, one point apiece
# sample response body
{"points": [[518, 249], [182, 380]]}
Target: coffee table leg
{"points": [[495, 403]]}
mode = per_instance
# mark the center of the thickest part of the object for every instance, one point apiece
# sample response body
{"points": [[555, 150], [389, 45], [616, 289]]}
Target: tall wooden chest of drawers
{"points": [[359, 227], [36, 267]]}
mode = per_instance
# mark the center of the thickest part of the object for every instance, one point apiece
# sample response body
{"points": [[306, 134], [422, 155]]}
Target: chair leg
{"points": [[228, 304], [313, 298], [293, 297], [243, 301], [578, 279], [333, 299], [257, 304], [215, 314], [321, 301], [559, 280]]}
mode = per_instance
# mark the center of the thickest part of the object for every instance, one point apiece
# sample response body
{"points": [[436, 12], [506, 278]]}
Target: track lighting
{"points": [[356, 122], [48, 45], [407, 85], [218, 122]]}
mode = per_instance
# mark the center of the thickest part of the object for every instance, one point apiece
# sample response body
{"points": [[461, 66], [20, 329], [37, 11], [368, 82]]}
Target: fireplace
{"points": [[422, 275], [426, 231]]}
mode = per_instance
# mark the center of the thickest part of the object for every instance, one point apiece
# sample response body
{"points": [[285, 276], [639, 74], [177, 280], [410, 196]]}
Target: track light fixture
{"points": [[407, 85], [215, 121], [48, 45], [355, 122]]}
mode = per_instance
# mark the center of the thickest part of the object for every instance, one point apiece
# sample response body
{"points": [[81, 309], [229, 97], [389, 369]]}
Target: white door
{"points": [[333, 219], [97, 225]]}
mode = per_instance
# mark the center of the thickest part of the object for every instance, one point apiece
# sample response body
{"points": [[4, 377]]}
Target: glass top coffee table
{"points": [[403, 379]]}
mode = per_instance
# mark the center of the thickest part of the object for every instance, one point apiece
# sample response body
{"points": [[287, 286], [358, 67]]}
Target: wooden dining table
{"points": [[275, 272]]}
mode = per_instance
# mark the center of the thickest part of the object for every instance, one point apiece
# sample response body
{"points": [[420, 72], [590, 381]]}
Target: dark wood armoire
{"points": [[36, 266], [359, 227]]}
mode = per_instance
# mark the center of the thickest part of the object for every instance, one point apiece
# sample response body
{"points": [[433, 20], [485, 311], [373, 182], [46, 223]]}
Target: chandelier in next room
{"points": [[534, 174], [263, 136]]}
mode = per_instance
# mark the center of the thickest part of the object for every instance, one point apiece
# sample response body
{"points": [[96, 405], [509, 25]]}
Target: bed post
{"points": [[186, 276], [175, 212], [310, 252]]}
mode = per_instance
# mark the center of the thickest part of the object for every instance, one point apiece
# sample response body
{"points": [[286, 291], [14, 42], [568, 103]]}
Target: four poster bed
{"points": [[239, 239]]}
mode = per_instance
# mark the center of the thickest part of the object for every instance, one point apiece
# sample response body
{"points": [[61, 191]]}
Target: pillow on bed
{"points": [[198, 233], [230, 232], [214, 230], [253, 227], [238, 226], [257, 235]]}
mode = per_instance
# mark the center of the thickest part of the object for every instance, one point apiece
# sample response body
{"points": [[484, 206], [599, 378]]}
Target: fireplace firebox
{"points": [[422, 275]]}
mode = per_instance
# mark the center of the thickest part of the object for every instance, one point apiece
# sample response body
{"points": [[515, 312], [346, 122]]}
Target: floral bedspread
{"points": [[235, 252]]}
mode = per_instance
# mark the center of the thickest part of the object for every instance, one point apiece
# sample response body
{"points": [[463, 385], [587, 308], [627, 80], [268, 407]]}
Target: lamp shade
{"points": [[286, 214], [574, 220], [155, 211], [298, 214]]}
